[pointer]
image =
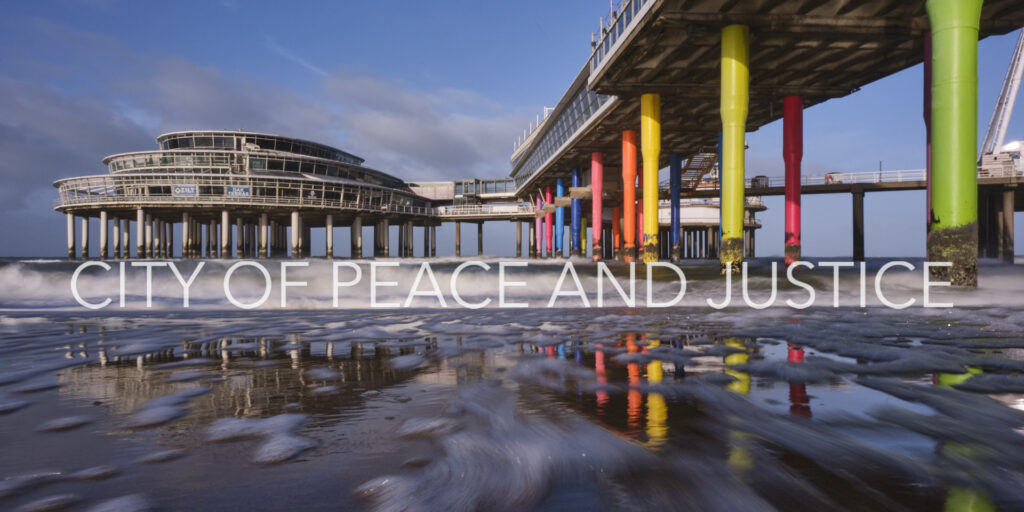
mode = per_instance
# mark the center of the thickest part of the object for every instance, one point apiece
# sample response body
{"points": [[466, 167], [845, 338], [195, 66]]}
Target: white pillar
{"points": [[103, 234], [148, 232], [295, 234], [154, 247], [85, 238], [330, 236], [140, 234], [184, 235], [239, 235], [211, 239], [264, 235], [126, 244], [225, 234], [117, 237], [357, 238], [71, 235]]}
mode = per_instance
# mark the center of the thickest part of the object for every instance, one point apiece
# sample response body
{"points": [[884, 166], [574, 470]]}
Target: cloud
{"points": [[61, 120], [424, 135], [287, 54]]}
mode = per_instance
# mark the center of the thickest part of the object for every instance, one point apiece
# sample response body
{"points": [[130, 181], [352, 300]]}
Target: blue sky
{"points": [[424, 90]]}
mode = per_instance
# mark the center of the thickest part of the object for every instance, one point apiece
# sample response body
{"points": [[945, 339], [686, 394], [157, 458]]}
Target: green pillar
{"points": [[953, 232]]}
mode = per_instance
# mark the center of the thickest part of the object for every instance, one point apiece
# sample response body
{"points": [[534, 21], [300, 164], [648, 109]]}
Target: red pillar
{"points": [[793, 153], [616, 240], [629, 194], [549, 223], [596, 212]]}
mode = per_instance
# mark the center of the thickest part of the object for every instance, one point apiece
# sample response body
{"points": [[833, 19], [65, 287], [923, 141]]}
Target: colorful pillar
{"points": [[629, 194], [596, 208], [548, 222], [560, 219], [650, 140], [928, 129], [657, 409], [616, 240], [675, 184], [583, 236], [639, 209], [576, 215], [792, 153], [539, 224], [734, 105], [953, 232]]}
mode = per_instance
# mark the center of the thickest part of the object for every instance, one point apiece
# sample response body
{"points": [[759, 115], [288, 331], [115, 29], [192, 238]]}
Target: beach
{"points": [[314, 407]]}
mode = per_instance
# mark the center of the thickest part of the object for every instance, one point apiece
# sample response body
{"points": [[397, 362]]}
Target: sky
{"points": [[421, 90]]}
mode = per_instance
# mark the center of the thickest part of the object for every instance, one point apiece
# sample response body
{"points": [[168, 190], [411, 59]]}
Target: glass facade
{"points": [[627, 12], [235, 153], [483, 187], [243, 140], [584, 105], [269, 191]]}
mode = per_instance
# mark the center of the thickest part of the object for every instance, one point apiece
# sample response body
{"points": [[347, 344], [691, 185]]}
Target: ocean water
{"points": [[314, 406]]}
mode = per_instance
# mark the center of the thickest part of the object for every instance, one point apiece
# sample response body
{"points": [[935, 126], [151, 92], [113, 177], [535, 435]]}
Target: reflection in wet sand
{"points": [[375, 411]]}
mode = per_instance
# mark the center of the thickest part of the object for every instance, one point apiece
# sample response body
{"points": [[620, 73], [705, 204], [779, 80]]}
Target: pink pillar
{"points": [[596, 213], [549, 223], [539, 229], [793, 153]]}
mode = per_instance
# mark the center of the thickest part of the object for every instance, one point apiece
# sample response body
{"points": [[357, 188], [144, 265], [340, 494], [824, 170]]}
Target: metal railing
{"points": [[620, 22], [854, 178], [218, 190], [754, 201], [487, 210]]}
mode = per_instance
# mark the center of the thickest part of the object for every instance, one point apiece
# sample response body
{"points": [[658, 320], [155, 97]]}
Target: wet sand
{"points": [[571, 409]]}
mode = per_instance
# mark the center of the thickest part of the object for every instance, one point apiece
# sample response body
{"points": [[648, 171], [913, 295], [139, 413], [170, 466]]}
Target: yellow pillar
{"points": [[739, 456], [657, 410], [650, 145], [734, 107]]}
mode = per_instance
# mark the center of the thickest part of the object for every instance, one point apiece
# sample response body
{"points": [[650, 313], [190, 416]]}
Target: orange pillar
{"points": [[629, 194]]}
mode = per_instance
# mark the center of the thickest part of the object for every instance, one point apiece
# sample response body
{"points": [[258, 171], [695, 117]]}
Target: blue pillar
{"points": [[559, 218], [577, 207], [718, 241], [675, 183]]}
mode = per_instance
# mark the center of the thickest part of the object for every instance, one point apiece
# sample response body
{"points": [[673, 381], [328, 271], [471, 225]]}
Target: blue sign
{"points": [[184, 191], [234, 191]]}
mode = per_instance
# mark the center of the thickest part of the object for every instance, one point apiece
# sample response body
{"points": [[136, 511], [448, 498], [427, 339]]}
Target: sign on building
{"points": [[237, 191], [184, 191]]}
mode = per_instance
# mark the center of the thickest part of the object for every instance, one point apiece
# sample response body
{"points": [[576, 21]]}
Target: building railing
{"points": [[486, 210], [854, 178], [754, 201], [620, 22], [215, 190]]}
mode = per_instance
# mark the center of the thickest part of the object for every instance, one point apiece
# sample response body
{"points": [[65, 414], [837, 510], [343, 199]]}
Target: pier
{"points": [[670, 84]]}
